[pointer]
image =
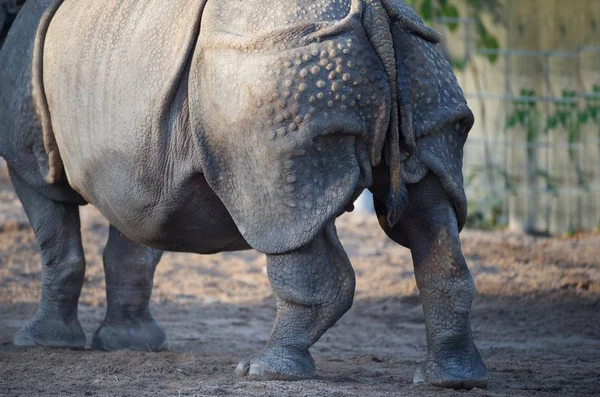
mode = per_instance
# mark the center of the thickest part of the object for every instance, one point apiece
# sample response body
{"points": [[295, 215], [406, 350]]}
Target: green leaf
{"points": [[562, 118], [593, 111], [426, 10], [552, 123], [521, 117], [492, 43], [481, 30], [459, 65], [486, 40], [512, 121], [451, 11]]}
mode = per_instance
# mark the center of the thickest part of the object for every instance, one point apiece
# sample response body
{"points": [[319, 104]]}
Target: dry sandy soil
{"points": [[536, 319]]}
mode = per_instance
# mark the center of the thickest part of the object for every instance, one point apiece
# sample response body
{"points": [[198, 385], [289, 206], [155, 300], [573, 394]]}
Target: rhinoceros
{"points": [[8, 11], [207, 126]]}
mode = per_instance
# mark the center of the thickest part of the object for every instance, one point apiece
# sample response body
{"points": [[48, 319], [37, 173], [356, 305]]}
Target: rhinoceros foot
{"points": [[142, 336], [51, 332], [456, 370], [278, 363]]}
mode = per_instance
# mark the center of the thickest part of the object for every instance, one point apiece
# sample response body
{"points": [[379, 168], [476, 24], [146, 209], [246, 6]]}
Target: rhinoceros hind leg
{"points": [[446, 287], [129, 269], [56, 228], [314, 287]]}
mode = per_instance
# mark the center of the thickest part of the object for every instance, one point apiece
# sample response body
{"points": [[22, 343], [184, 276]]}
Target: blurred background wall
{"points": [[531, 72]]}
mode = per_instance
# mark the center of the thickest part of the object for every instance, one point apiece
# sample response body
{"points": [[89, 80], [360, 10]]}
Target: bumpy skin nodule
{"points": [[225, 125]]}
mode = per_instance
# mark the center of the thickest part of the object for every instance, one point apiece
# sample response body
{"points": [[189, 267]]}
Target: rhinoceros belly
{"points": [[188, 217]]}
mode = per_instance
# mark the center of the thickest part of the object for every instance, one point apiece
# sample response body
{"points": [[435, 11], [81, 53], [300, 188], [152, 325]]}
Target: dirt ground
{"points": [[536, 319]]}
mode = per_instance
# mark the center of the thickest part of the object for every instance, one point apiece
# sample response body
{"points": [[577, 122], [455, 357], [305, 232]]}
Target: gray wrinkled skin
{"points": [[225, 125]]}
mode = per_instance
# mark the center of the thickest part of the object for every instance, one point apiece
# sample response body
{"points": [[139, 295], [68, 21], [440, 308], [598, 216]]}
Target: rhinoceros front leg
{"points": [[314, 287], [446, 288], [129, 269], [56, 228]]}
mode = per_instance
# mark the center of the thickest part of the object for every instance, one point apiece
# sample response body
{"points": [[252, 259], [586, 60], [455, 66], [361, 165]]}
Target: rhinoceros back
{"points": [[115, 80]]}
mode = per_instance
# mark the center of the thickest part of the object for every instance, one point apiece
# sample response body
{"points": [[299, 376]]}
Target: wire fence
{"points": [[532, 161]]}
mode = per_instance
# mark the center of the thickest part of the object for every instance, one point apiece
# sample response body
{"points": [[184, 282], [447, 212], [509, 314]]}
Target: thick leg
{"points": [[446, 289], [129, 269], [314, 287], [56, 228]]}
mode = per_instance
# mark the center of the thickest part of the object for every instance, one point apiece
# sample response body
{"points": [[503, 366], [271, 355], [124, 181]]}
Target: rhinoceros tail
{"points": [[49, 160], [8, 12]]}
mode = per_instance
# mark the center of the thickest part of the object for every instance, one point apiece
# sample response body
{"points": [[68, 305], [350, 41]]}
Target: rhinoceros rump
{"points": [[209, 126]]}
